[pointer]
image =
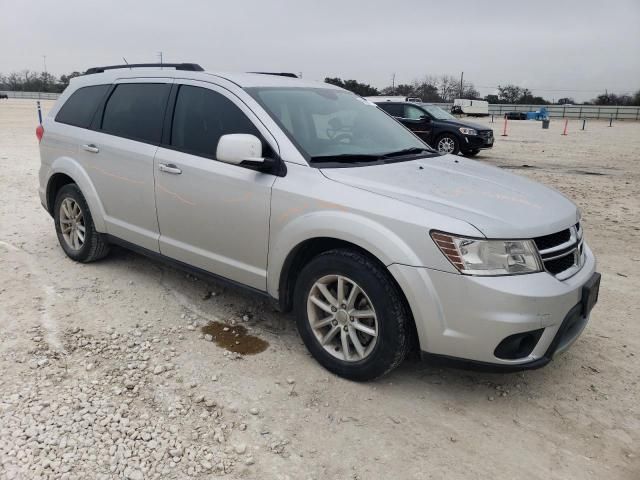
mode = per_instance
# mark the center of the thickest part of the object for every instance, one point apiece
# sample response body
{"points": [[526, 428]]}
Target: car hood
{"points": [[498, 203], [460, 123]]}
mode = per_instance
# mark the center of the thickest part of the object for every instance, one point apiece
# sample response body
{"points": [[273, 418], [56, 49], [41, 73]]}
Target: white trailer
{"points": [[473, 108]]}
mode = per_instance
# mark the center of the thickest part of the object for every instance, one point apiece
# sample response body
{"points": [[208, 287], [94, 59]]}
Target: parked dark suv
{"points": [[438, 128]]}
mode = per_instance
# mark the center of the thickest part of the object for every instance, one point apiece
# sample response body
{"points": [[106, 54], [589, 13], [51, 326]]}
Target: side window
{"points": [[201, 117], [136, 111], [413, 113], [392, 109], [80, 107]]}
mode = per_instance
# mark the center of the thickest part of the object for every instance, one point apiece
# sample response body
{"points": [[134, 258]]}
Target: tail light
{"points": [[39, 132]]}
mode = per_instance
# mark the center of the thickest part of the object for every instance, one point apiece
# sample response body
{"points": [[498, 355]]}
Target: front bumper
{"points": [[477, 142], [466, 317]]}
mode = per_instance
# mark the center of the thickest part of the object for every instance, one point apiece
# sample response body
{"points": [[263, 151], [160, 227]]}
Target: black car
{"points": [[516, 115], [440, 129]]}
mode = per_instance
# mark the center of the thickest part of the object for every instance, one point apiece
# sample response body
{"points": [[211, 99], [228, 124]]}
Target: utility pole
{"points": [[393, 84], [461, 88], [44, 62]]}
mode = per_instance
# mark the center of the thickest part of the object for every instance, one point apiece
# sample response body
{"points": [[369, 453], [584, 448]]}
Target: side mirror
{"points": [[236, 148], [425, 119]]}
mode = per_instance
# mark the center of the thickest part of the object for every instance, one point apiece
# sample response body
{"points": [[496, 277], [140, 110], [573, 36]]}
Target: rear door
{"points": [[212, 215], [118, 155]]}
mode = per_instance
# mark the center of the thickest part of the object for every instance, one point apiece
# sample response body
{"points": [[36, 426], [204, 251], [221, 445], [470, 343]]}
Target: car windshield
{"points": [[337, 126], [437, 112]]}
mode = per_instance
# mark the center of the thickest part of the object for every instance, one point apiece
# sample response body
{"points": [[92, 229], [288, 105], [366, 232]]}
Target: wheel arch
{"points": [[64, 171], [310, 248]]}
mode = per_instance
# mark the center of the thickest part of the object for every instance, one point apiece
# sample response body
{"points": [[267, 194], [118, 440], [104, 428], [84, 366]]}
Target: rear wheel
{"points": [[448, 143], [350, 315], [74, 226]]}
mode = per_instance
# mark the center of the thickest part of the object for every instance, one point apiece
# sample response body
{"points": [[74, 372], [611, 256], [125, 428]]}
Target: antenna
{"points": [[160, 55], [125, 61]]}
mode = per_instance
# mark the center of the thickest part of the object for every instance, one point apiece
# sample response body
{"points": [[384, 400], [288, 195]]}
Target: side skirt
{"points": [[198, 272]]}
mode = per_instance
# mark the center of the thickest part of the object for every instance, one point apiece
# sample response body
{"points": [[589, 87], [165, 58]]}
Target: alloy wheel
{"points": [[72, 223], [446, 145], [342, 318]]}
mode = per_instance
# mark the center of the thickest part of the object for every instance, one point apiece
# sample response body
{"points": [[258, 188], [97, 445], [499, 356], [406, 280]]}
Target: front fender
{"points": [[373, 237], [74, 170]]}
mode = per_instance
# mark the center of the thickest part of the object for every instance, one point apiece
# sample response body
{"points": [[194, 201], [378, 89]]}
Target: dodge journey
{"points": [[319, 200]]}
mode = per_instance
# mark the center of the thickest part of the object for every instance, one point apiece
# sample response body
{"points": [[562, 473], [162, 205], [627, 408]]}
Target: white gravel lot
{"points": [[105, 373]]}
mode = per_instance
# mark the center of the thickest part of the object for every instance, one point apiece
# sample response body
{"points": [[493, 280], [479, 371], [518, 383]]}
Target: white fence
{"points": [[31, 95], [604, 112]]}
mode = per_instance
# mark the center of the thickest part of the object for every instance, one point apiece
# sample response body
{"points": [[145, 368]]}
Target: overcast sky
{"points": [[583, 46]]}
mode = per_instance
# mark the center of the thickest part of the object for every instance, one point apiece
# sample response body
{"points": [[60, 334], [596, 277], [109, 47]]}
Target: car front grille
{"points": [[562, 252], [486, 133]]}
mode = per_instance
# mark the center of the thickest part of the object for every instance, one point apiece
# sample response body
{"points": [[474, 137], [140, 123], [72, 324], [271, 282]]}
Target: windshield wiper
{"points": [[346, 158], [408, 151]]}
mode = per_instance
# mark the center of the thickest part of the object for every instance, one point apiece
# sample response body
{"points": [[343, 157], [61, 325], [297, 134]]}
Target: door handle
{"points": [[169, 168], [90, 147]]}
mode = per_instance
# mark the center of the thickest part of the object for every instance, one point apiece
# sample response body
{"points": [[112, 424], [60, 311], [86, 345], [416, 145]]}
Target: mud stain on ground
{"points": [[587, 172], [235, 338], [517, 167]]}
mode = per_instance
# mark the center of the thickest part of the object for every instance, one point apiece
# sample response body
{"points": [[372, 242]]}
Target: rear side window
{"points": [[392, 109], [201, 117], [136, 111], [80, 107]]}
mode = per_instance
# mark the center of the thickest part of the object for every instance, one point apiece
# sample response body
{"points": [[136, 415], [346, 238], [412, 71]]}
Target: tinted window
{"points": [[201, 117], [391, 109], [80, 107], [136, 110], [413, 113]]}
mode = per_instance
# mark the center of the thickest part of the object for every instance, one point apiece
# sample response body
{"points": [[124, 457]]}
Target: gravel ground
{"points": [[105, 372]]}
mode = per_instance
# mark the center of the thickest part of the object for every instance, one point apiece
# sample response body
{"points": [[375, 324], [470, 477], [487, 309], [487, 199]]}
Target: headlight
{"points": [[467, 131], [473, 256]]}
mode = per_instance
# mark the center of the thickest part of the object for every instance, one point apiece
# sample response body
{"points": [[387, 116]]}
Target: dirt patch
{"points": [[235, 338]]}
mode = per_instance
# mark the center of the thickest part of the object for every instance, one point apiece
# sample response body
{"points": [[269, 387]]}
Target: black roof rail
{"points": [[281, 74], [191, 67]]}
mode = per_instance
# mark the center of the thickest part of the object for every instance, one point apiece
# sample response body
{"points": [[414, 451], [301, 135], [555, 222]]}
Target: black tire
{"points": [[95, 245], [394, 332], [451, 137], [471, 153]]}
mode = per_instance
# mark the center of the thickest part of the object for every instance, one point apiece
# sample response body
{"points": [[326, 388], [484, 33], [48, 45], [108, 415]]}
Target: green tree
{"points": [[509, 93], [362, 89]]}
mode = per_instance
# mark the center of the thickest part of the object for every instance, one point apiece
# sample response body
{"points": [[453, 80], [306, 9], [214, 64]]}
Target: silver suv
{"points": [[316, 198]]}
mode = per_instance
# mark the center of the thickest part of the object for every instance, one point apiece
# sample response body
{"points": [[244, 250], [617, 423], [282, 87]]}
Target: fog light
{"points": [[519, 345]]}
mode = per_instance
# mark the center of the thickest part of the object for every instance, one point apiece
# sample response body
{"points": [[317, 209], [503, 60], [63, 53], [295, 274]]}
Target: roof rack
{"points": [[281, 74], [191, 67]]}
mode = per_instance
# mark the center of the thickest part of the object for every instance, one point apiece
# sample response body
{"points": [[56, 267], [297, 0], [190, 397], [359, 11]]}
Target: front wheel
{"points": [[448, 143], [351, 315]]}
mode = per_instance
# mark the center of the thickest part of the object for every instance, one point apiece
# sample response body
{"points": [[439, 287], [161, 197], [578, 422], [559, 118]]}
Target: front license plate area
{"points": [[590, 294]]}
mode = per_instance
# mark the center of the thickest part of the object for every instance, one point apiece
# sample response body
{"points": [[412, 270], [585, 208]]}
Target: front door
{"points": [[211, 214], [418, 122]]}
